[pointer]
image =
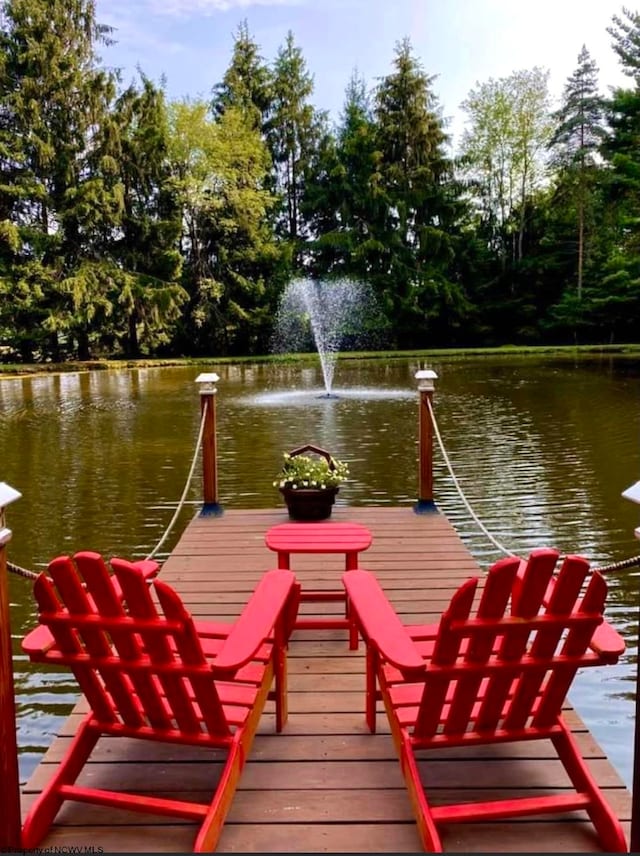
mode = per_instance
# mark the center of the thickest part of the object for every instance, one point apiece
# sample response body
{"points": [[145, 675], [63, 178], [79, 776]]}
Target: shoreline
{"points": [[14, 370]]}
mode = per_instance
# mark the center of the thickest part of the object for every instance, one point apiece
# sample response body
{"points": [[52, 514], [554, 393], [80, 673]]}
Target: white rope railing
{"points": [[635, 560], [615, 566], [459, 488], [31, 575], [182, 500]]}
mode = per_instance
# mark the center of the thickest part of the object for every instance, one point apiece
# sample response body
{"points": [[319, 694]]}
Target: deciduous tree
{"points": [[504, 148], [228, 243]]}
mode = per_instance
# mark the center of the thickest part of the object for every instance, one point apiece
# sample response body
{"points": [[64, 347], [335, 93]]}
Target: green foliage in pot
{"points": [[304, 472]]}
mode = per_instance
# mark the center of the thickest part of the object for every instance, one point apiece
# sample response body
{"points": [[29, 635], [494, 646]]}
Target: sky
{"points": [[460, 42]]}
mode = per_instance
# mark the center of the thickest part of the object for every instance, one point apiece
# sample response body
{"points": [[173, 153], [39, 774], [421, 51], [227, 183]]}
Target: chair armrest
{"points": [[38, 642], [607, 642], [379, 622], [266, 606]]}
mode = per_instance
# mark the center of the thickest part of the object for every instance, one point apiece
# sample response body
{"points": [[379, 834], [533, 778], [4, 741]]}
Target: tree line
{"points": [[135, 225]]}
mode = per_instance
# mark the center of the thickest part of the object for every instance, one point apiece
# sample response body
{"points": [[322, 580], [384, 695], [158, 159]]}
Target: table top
{"points": [[318, 538]]}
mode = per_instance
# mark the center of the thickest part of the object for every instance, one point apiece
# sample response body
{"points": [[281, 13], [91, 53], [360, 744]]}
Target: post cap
{"points": [[8, 494], [633, 493], [207, 382], [425, 378]]}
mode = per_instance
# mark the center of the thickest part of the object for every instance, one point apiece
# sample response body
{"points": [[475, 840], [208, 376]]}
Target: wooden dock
{"points": [[325, 784]]}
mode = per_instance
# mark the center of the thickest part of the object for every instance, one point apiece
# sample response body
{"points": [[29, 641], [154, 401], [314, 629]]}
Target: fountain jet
{"points": [[331, 313]]}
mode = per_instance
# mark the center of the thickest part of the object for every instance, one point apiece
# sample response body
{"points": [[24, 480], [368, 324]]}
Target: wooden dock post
{"points": [[207, 384], [633, 493], [425, 503], [10, 823]]}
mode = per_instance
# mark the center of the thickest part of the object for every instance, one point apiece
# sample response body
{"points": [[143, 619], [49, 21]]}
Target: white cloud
{"points": [[184, 8]]}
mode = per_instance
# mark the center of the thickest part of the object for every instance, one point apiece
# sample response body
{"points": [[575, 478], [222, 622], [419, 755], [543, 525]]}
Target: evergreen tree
{"points": [[575, 142], [247, 84], [616, 300], [295, 130], [416, 222], [146, 249], [340, 203], [625, 32], [59, 176]]}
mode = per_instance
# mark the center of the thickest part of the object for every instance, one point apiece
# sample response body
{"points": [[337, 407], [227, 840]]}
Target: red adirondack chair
{"points": [[149, 671], [497, 675]]}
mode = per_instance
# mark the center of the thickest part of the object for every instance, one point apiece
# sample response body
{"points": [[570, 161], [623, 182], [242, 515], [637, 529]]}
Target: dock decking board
{"points": [[325, 784]]}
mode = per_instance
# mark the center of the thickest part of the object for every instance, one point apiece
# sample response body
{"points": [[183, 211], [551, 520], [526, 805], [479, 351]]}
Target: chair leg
{"points": [[46, 807], [606, 823], [427, 829], [211, 827], [239, 749]]}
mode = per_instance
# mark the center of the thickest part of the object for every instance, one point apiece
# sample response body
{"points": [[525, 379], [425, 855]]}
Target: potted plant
{"points": [[309, 482]]}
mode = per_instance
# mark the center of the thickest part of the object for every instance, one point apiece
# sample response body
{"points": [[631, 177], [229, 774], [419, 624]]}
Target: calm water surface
{"points": [[542, 449]]}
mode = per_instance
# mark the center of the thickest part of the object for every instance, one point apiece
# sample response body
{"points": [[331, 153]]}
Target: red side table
{"points": [[347, 538]]}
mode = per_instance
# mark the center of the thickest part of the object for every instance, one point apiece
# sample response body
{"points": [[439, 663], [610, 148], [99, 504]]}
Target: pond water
{"points": [[542, 449]]}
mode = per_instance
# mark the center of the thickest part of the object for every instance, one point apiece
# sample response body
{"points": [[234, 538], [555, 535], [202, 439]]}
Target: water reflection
{"points": [[542, 448], [317, 398]]}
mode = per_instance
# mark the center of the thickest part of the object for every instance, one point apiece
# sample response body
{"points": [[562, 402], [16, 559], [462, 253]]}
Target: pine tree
{"points": [[616, 300], [419, 207], [295, 130], [576, 140], [146, 251], [59, 176], [247, 82], [625, 32], [338, 201]]}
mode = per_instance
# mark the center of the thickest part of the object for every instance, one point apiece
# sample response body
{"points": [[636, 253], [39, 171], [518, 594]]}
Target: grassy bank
{"points": [[20, 369]]}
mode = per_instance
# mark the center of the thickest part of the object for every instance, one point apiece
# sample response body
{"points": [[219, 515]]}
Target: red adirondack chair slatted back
{"points": [[109, 604], [507, 669], [529, 589], [574, 646], [72, 650], [174, 681], [128, 659], [446, 653]]}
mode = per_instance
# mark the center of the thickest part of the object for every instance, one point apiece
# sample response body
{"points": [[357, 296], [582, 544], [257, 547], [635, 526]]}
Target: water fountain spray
{"points": [[330, 313]]}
